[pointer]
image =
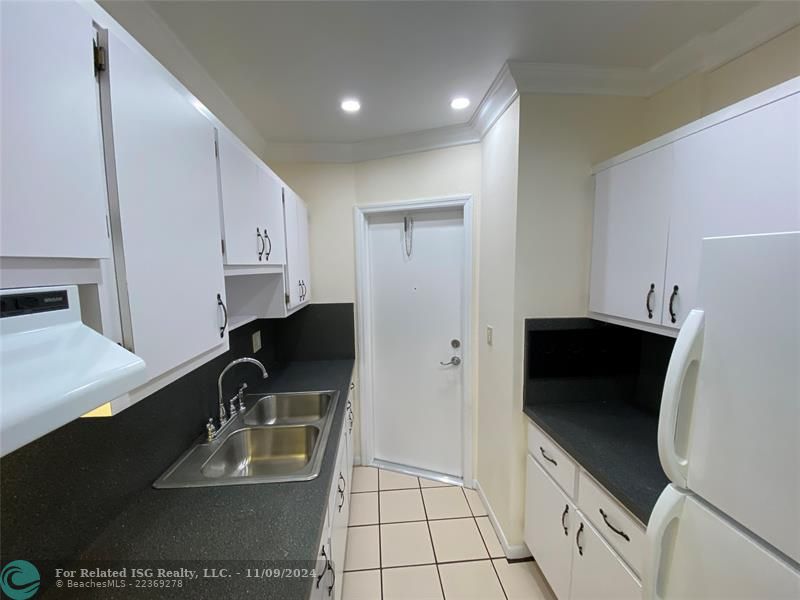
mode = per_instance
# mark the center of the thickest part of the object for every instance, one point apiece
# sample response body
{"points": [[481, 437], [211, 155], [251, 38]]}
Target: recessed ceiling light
{"points": [[351, 105], [459, 103]]}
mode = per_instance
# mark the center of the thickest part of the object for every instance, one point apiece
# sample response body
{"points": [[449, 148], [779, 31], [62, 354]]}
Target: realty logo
{"points": [[19, 580]]}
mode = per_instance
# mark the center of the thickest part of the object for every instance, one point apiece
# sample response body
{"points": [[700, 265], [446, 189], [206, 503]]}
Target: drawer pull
{"points": [[564, 517], [619, 532], [578, 539], [650, 293], [547, 458]]}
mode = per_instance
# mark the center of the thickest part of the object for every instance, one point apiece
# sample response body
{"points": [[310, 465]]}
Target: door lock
{"points": [[455, 343]]}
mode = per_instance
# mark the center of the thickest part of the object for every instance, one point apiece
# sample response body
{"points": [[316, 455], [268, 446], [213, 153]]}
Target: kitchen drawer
{"points": [[554, 460], [625, 534]]}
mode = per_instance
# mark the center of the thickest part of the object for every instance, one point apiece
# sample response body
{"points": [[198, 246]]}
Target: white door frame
{"points": [[364, 320]]}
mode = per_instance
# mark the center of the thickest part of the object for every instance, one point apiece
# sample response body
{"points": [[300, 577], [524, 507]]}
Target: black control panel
{"points": [[12, 305]]}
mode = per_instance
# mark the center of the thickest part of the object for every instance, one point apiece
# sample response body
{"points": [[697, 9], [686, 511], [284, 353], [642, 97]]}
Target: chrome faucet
{"points": [[226, 417]]}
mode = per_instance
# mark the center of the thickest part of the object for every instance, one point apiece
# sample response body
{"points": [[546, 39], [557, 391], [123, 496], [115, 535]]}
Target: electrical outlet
{"points": [[489, 334], [257, 341]]}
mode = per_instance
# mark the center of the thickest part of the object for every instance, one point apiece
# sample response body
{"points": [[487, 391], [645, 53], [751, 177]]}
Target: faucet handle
{"points": [[240, 396], [232, 407], [212, 431]]}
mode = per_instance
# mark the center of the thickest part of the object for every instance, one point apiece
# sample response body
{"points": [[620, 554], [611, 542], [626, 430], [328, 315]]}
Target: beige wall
{"points": [[496, 448], [701, 94], [332, 190]]}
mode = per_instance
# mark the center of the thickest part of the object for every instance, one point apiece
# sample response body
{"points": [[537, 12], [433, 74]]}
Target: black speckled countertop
{"points": [[615, 442], [277, 523]]}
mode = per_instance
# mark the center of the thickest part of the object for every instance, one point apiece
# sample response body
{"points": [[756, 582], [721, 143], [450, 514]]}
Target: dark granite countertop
{"points": [[277, 524], [615, 442]]}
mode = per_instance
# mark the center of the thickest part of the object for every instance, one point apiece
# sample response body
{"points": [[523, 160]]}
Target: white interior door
{"points": [[416, 293]]}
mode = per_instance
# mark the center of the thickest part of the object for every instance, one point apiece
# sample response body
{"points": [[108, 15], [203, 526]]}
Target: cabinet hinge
{"points": [[99, 59], [286, 297], [223, 247]]}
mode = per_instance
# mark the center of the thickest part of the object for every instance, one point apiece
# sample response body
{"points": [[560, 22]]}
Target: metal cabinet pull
{"points": [[221, 304], [325, 568], [262, 246], [342, 490], [578, 539], [563, 519], [672, 297], [547, 458], [267, 245], [619, 532], [333, 583], [650, 294]]}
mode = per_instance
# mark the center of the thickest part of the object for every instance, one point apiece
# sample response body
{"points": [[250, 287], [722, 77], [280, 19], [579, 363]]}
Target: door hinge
{"points": [[108, 227], [288, 300], [216, 148], [223, 247], [99, 59]]}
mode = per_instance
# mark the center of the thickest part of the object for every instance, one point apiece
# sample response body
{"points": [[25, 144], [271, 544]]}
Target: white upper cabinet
{"points": [[740, 177], [163, 179], [631, 225], [733, 173], [298, 278], [251, 207], [53, 183]]}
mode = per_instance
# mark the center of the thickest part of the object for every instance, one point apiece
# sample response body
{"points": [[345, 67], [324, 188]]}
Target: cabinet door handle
{"points": [[333, 583], [650, 294], [267, 245], [221, 304], [547, 458], [342, 490], [619, 532], [262, 246], [578, 539], [672, 297], [564, 518], [325, 568]]}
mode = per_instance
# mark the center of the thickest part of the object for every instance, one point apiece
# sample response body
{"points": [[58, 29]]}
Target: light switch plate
{"points": [[489, 334], [257, 341]]}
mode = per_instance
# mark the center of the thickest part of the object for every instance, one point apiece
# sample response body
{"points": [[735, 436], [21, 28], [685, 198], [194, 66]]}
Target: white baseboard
{"points": [[513, 552]]}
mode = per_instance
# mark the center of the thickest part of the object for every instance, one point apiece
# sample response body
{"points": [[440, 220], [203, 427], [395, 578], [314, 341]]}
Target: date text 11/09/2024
{"points": [[185, 573]]}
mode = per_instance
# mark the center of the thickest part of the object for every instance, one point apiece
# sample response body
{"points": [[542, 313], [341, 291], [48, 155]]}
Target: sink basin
{"points": [[259, 451], [301, 407], [282, 437]]}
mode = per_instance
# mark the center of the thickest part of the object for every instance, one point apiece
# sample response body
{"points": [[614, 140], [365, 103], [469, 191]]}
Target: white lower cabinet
{"points": [[597, 571], [577, 561], [333, 544], [549, 515]]}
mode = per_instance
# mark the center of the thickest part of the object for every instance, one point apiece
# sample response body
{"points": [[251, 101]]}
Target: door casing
{"points": [[361, 216]]}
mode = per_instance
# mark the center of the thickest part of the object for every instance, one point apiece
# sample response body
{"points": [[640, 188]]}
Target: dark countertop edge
{"points": [[634, 508]]}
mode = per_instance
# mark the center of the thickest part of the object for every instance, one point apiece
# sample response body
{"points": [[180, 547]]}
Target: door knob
{"points": [[455, 361]]}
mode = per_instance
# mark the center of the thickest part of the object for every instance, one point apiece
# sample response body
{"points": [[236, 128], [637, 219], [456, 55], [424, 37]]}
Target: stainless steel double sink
{"points": [[279, 438]]}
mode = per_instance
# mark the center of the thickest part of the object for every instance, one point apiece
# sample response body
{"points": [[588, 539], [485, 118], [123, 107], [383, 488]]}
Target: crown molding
{"points": [[704, 53]]}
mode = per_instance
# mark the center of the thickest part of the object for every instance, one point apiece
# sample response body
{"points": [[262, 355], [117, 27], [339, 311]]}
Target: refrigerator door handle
{"points": [[660, 535], [687, 351]]}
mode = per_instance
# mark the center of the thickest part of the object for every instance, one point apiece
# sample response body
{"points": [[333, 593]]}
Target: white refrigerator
{"points": [[728, 526]]}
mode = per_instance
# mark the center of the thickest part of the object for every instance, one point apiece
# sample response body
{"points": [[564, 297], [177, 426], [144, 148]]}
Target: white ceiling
{"points": [[286, 65]]}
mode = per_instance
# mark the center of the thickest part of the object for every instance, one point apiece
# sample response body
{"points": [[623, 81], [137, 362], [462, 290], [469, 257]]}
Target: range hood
{"points": [[53, 368]]}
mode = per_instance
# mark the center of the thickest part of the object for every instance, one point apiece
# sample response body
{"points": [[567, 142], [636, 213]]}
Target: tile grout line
{"points": [[486, 547], [410, 521], [380, 541], [430, 535]]}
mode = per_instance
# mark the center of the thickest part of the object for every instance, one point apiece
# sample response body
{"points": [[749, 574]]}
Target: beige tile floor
{"points": [[417, 539]]}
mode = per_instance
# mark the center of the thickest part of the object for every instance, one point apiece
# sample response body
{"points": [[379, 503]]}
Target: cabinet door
{"points": [[167, 249], [53, 179], [243, 211], [597, 572], [629, 245], [304, 250], [340, 509], [271, 221], [349, 424], [739, 177], [549, 531], [294, 259]]}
